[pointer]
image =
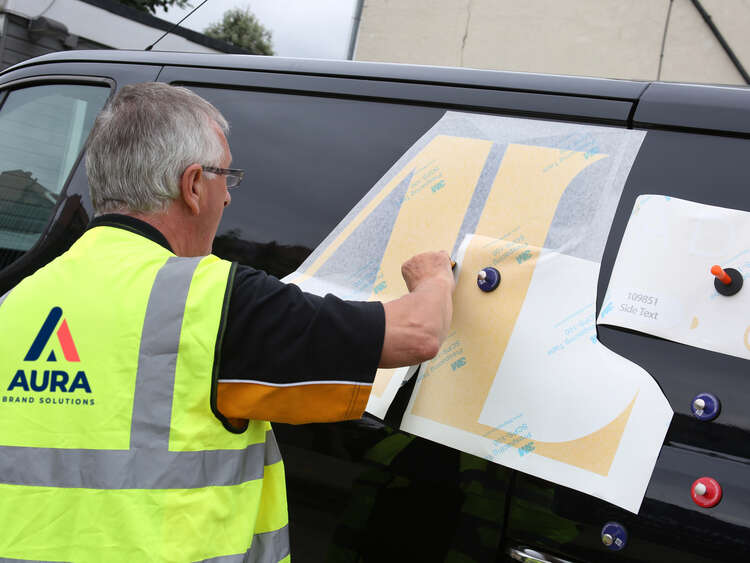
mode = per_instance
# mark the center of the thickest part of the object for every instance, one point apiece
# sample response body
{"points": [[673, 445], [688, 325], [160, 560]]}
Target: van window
{"points": [[42, 131], [308, 160]]}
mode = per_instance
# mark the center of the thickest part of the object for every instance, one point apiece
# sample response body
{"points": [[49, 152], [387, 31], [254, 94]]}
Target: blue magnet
{"points": [[614, 536], [705, 406], [488, 279]]}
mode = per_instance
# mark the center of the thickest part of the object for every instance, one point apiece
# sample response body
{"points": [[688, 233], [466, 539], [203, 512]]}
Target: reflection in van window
{"points": [[42, 132]]}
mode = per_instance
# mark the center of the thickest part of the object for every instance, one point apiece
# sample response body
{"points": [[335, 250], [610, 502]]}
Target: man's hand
{"points": [[417, 323], [427, 265]]}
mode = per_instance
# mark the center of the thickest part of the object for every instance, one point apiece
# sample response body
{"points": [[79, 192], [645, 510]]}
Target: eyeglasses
{"points": [[234, 175]]}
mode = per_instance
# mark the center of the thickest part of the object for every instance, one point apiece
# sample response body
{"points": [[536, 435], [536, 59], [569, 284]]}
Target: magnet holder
{"points": [[705, 406], [727, 282], [614, 536], [488, 279], [706, 492]]}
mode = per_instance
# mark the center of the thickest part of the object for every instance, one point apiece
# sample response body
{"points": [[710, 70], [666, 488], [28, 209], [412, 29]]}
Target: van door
{"points": [[312, 146]]}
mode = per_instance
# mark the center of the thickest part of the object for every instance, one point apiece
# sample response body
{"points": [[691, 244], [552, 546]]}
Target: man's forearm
{"points": [[417, 323]]}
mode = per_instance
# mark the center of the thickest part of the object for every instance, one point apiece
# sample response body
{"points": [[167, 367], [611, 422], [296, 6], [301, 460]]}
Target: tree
{"points": [[241, 28], [152, 5]]}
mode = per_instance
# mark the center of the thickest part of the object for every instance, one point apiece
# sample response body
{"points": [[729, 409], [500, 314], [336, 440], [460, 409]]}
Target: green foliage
{"points": [[241, 28], [152, 5]]}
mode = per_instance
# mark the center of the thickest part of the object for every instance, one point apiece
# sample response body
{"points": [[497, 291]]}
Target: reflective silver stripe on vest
{"points": [[157, 359], [10, 560], [273, 454], [142, 468], [147, 464], [3, 297], [268, 547]]}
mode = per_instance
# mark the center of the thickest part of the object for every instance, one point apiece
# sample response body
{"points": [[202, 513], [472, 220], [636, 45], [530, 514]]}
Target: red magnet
{"points": [[706, 492], [719, 272], [726, 282]]}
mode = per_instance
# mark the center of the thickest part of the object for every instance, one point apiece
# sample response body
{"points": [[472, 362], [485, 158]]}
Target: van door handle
{"points": [[528, 555]]}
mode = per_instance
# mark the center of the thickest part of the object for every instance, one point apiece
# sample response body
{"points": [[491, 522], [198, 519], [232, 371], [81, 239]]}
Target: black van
{"points": [[361, 491]]}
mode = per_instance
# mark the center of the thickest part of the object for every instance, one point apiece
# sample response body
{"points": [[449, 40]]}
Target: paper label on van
{"points": [[662, 284]]}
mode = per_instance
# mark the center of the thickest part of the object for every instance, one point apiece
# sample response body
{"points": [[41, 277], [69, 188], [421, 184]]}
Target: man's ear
{"points": [[191, 187]]}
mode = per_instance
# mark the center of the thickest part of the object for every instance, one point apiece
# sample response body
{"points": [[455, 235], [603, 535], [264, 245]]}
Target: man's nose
{"points": [[227, 199]]}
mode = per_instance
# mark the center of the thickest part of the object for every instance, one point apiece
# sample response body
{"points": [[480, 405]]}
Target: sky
{"points": [[318, 29]]}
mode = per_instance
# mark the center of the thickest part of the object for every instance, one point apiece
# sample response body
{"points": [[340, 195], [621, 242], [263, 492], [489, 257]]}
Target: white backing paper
{"points": [[661, 283], [561, 406]]}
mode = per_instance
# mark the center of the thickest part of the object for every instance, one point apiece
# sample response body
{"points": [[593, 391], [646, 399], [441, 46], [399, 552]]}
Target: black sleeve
{"points": [[278, 334]]}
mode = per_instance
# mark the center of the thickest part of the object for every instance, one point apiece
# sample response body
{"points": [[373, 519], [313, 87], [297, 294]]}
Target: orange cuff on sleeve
{"points": [[292, 404]]}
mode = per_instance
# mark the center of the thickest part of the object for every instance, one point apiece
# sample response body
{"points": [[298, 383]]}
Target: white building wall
{"points": [[692, 53], [606, 38]]}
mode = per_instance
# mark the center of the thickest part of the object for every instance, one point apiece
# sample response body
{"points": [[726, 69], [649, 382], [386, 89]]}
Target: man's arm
{"points": [[293, 357], [417, 323]]}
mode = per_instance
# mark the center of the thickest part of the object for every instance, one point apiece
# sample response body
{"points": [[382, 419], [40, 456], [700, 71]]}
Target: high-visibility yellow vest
{"points": [[109, 449]]}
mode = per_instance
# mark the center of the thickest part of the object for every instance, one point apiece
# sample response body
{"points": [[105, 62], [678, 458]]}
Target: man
{"points": [[152, 440]]}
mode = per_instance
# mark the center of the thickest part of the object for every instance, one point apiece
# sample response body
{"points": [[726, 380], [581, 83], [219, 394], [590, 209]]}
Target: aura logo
{"points": [[52, 380], [45, 333]]}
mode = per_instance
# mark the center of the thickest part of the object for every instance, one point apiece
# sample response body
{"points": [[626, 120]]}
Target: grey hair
{"points": [[143, 141]]}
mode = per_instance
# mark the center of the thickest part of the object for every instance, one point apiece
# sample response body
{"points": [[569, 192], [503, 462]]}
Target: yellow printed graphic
{"points": [[594, 452], [694, 323], [518, 211], [446, 172], [439, 151], [382, 379], [747, 338], [527, 189], [481, 327], [434, 206]]}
